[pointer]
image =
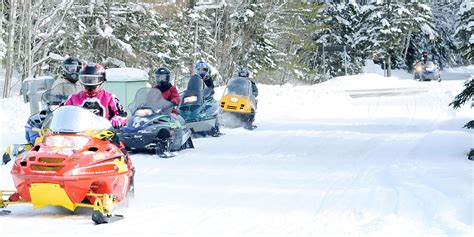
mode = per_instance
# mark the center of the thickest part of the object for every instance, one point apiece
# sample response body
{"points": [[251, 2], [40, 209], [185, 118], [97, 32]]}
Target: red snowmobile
{"points": [[79, 163]]}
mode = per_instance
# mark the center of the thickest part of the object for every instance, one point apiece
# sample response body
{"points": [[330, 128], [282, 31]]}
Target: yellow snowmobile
{"points": [[238, 104]]}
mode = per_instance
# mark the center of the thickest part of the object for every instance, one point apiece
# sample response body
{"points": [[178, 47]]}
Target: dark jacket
{"points": [[209, 82], [254, 88]]}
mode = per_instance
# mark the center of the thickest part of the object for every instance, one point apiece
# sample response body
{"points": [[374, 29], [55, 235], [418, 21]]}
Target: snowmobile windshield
{"points": [[150, 98], [74, 119], [58, 94], [238, 86], [193, 93], [429, 64]]}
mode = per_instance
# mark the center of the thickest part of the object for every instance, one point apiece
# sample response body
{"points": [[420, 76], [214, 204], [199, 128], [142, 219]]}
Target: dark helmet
{"points": [[202, 69], [71, 67], [424, 55], [243, 72], [92, 77], [162, 75]]}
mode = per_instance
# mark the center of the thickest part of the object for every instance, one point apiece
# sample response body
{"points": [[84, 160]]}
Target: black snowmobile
{"points": [[199, 108], [152, 126]]}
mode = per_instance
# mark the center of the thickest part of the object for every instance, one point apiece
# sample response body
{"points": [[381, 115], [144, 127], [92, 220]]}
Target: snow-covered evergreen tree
{"points": [[420, 34], [444, 47], [391, 26], [3, 46], [299, 21], [465, 30], [344, 27], [252, 46]]}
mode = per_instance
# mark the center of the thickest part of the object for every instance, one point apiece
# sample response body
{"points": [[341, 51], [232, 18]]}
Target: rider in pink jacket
{"points": [[94, 98]]}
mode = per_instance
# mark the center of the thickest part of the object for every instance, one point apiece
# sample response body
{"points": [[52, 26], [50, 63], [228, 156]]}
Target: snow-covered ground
{"points": [[360, 155]]}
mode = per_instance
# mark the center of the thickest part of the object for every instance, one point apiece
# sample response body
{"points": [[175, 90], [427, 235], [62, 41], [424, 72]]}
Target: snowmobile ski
{"points": [[6, 156], [99, 218], [4, 212], [166, 155]]}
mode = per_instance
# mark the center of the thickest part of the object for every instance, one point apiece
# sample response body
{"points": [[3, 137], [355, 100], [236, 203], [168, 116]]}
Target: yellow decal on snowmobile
{"points": [[46, 194], [102, 135], [120, 163], [7, 151], [40, 138]]}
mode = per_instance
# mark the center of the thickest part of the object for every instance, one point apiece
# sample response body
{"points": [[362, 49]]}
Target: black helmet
{"points": [[71, 67], [162, 75], [243, 72], [91, 77], [424, 55]]}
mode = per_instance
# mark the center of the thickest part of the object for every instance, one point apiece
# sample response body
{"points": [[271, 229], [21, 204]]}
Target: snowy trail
{"points": [[366, 166]]}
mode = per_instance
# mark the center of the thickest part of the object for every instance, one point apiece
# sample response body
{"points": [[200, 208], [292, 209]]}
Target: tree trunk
{"points": [[107, 44], [10, 50], [388, 63], [20, 62], [28, 53], [407, 44]]}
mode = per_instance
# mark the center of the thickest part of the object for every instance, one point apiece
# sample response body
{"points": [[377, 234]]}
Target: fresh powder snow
{"points": [[361, 155]]}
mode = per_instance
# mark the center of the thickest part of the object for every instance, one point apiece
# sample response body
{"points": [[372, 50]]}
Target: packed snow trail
{"points": [[320, 163]]}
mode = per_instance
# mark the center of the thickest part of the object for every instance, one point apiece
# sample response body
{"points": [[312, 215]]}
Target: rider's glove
{"points": [[119, 121]]}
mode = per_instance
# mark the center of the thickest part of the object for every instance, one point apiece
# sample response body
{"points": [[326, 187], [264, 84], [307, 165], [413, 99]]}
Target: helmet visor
{"points": [[203, 70], [71, 67], [161, 77], [90, 80], [243, 74]]}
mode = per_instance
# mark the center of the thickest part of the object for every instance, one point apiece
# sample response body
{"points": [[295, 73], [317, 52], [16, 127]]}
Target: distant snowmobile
{"points": [[427, 72], [238, 104]]}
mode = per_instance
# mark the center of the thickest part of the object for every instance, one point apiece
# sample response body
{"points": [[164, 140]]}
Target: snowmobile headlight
{"points": [[143, 112], [419, 68], [234, 99], [69, 142], [429, 69], [190, 99]]}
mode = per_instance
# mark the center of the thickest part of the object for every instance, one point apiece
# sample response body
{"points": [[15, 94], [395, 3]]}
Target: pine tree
{"points": [[391, 24], [444, 48], [343, 28], [251, 45], [421, 34], [465, 31], [300, 21], [3, 46]]}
